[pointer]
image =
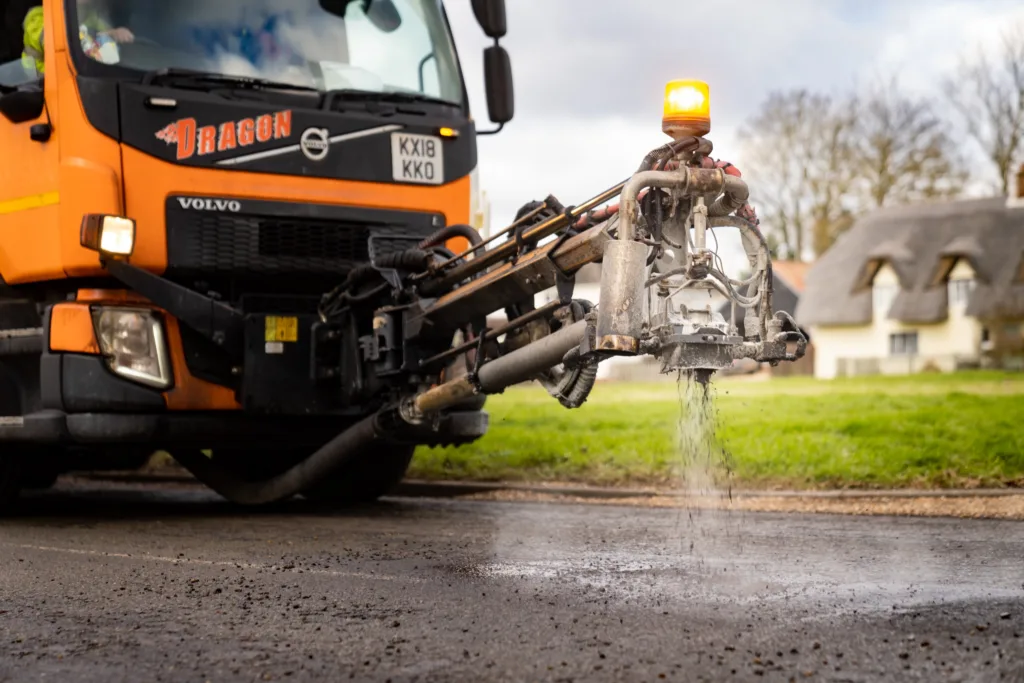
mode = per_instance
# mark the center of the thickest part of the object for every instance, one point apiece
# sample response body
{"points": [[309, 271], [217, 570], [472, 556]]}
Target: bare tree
{"points": [[904, 150], [988, 92], [798, 150]]}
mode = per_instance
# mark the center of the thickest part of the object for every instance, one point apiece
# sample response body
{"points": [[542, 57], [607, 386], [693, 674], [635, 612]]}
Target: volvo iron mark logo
{"points": [[315, 143], [209, 204]]}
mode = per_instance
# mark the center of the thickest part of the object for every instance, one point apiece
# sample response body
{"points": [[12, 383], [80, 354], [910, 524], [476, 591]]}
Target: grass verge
{"points": [[956, 430]]}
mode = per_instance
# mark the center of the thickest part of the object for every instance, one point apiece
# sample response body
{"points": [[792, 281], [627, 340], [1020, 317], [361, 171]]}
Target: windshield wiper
{"points": [[205, 78], [374, 96]]}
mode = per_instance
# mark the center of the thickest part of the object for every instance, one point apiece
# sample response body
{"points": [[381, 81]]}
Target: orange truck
{"points": [[182, 182]]}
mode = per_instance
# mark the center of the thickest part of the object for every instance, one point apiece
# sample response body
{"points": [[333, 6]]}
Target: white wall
{"points": [[866, 347]]}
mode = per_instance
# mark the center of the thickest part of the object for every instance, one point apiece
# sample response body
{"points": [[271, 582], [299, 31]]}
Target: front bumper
{"points": [[84, 403]]}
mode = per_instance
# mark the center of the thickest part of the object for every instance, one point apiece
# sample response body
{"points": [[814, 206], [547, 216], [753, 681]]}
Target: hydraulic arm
{"points": [[403, 341]]}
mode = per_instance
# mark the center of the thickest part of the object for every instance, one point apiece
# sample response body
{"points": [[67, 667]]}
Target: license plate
{"points": [[417, 158]]}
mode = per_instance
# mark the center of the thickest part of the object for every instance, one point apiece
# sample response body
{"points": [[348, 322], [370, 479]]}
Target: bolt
{"points": [[236, 371]]}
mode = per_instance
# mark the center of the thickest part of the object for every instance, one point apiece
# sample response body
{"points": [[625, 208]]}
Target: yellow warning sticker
{"points": [[281, 329]]}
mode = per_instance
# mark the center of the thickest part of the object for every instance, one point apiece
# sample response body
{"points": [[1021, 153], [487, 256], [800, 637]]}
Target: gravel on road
{"points": [[137, 583]]}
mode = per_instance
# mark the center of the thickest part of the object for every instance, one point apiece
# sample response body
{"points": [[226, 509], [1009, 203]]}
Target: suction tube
{"points": [[332, 455]]}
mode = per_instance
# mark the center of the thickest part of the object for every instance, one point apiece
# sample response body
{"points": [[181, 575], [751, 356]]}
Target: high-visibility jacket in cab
{"points": [[32, 55]]}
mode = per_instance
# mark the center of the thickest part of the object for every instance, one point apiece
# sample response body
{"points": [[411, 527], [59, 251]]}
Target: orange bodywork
{"points": [[71, 329], [44, 195], [47, 187]]}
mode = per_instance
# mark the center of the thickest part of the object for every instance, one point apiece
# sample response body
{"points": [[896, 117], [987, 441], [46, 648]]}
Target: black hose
{"points": [[414, 260], [340, 450], [450, 231], [667, 151], [410, 259]]}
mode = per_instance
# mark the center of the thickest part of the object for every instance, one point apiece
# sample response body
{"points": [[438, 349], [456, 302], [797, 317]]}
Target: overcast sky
{"points": [[589, 74]]}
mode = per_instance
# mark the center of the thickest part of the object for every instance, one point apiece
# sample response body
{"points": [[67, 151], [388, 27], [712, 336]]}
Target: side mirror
{"points": [[23, 105], [498, 78], [490, 14]]}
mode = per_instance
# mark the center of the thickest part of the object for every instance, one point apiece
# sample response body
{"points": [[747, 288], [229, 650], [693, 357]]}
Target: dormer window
{"points": [[959, 291], [885, 285], [882, 296], [958, 275]]}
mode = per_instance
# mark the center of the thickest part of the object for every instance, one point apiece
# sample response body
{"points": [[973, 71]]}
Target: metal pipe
{"points": [[533, 272], [504, 231], [508, 248], [700, 226], [520, 365], [628, 200], [735, 195], [547, 308]]}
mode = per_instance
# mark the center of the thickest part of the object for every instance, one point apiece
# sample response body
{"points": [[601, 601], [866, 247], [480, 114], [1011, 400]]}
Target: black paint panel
{"points": [[99, 99], [88, 386], [365, 158]]}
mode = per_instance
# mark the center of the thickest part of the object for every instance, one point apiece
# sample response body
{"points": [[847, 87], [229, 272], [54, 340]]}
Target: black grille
{"points": [[207, 244], [219, 243], [308, 240]]}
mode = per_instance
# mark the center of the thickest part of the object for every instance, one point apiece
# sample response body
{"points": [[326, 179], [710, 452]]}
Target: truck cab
{"points": [[182, 183]]}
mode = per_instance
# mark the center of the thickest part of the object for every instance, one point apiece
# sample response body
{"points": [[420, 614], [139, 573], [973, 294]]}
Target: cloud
{"points": [[589, 76]]}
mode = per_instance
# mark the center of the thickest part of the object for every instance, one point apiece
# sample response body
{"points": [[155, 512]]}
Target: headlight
{"points": [[111, 235], [133, 341]]}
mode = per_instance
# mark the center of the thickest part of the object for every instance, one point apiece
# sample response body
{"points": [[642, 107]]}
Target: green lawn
{"points": [[928, 430]]}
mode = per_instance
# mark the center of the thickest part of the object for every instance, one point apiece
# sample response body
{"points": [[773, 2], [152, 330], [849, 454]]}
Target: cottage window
{"points": [[882, 296], [960, 291], [903, 344]]}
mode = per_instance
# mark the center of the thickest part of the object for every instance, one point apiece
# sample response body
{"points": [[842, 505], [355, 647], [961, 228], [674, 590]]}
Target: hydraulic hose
{"points": [[450, 231], [580, 375], [338, 451], [573, 388]]}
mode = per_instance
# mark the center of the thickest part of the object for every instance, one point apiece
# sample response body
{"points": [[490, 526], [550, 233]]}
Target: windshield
{"points": [[369, 45]]}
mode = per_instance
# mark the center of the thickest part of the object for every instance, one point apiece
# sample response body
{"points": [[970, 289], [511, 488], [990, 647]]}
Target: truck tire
{"points": [[372, 475]]}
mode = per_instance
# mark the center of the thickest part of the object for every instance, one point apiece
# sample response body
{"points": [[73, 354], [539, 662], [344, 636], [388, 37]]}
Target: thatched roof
{"points": [[921, 243]]}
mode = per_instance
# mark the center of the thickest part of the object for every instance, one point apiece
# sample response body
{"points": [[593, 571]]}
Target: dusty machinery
{"points": [[406, 333]]}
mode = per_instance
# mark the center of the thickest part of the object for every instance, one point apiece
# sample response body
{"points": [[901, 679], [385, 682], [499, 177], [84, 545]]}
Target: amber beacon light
{"points": [[687, 109]]}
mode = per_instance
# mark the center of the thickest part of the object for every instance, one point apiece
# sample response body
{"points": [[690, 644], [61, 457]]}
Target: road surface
{"points": [[130, 583]]}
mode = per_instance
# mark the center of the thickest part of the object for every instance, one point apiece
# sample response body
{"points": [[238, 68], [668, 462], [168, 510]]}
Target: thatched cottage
{"points": [[932, 286]]}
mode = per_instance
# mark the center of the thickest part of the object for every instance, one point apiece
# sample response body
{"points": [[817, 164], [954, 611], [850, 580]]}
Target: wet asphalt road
{"points": [[134, 584]]}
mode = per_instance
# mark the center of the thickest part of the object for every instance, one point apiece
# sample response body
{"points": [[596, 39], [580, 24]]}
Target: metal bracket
{"points": [[218, 322]]}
